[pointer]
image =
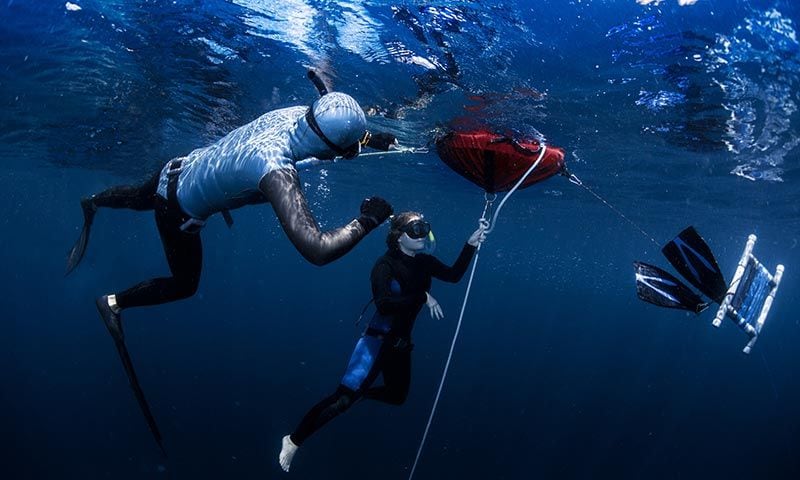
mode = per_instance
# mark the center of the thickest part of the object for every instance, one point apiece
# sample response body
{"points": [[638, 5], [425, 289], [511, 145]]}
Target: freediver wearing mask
{"points": [[253, 164], [401, 282]]}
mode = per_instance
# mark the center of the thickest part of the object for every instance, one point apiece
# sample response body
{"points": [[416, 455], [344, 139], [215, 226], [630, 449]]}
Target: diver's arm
{"points": [[452, 274], [386, 302], [282, 189]]}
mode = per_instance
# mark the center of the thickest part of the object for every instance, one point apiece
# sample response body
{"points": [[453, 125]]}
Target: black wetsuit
{"points": [[399, 286]]}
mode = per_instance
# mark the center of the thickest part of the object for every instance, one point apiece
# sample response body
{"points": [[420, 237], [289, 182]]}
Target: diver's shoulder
{"points": [[388, 259], [288, 114]]}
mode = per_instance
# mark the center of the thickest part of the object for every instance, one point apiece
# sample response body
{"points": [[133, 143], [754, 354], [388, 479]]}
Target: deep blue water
{"points": [[676, 115]]}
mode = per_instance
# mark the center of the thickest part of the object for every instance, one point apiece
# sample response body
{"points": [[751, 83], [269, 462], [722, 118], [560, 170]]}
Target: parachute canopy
{"points": [[495, 162]]}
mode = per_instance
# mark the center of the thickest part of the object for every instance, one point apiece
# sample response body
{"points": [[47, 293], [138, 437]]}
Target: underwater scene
{"points": [[324, 239]]}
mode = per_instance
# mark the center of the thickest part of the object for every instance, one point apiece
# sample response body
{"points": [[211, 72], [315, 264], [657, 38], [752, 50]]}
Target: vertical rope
{"points": [[449, 355], [486, 208]]}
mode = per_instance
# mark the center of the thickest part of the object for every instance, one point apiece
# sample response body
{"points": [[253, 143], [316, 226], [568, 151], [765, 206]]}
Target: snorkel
{"points": [[318, 83]]}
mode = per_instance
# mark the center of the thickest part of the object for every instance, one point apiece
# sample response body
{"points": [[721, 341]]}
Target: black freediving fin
{"points": [[139, 393], [79, 248], [692, 258], [654, 285], [76, 253]]}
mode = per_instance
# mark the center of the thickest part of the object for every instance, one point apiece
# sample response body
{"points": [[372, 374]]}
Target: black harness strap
{"points": [[392, 340], [173, 172]]}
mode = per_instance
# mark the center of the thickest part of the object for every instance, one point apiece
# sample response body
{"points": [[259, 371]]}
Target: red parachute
{"points": [[495, 162]]}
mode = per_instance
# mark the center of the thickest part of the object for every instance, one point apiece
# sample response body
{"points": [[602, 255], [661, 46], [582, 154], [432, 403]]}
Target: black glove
{"points": [[381, 141], [374, 210]]}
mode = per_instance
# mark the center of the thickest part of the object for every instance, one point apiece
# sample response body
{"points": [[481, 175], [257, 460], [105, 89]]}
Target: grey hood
{"points": [[341, 120]]}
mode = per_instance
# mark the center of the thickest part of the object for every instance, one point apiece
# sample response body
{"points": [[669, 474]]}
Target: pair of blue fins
{"points": [[746, 300]]}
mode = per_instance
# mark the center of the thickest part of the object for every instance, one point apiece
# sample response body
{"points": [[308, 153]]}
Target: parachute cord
{"points": [[575, 180], [486, 208], [543, 149]]}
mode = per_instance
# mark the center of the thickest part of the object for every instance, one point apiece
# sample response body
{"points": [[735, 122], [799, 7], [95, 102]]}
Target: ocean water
{"points": [[676, 114]]}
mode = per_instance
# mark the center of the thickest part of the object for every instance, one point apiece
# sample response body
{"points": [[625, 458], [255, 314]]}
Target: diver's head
{"points": [[333, 125], [409, 233]]}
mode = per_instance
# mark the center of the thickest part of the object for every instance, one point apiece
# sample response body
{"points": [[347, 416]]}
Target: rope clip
{"points": [[571, 176]]}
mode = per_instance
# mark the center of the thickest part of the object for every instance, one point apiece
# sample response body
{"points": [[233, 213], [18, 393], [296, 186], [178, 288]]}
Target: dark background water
{"points": [[677, 115]]}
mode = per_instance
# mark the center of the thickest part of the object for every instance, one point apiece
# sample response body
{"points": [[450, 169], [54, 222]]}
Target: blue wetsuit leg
{"points": [[362, 363], [366, 363]]}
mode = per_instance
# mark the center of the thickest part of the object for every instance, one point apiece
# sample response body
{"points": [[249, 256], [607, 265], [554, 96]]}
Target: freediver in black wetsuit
{"points": [[401, 281]]}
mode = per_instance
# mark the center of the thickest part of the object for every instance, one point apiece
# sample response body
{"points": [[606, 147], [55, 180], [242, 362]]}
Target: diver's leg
{"points": [[363, 369], [136, 197], [184, 253], [365, 365], [323, 412], [396, 378], [139, 197]]}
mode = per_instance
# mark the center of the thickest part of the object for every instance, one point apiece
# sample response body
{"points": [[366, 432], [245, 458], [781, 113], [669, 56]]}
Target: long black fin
{"points": [[692, 258], [658, 287], [139, 393], [79, 248]]}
